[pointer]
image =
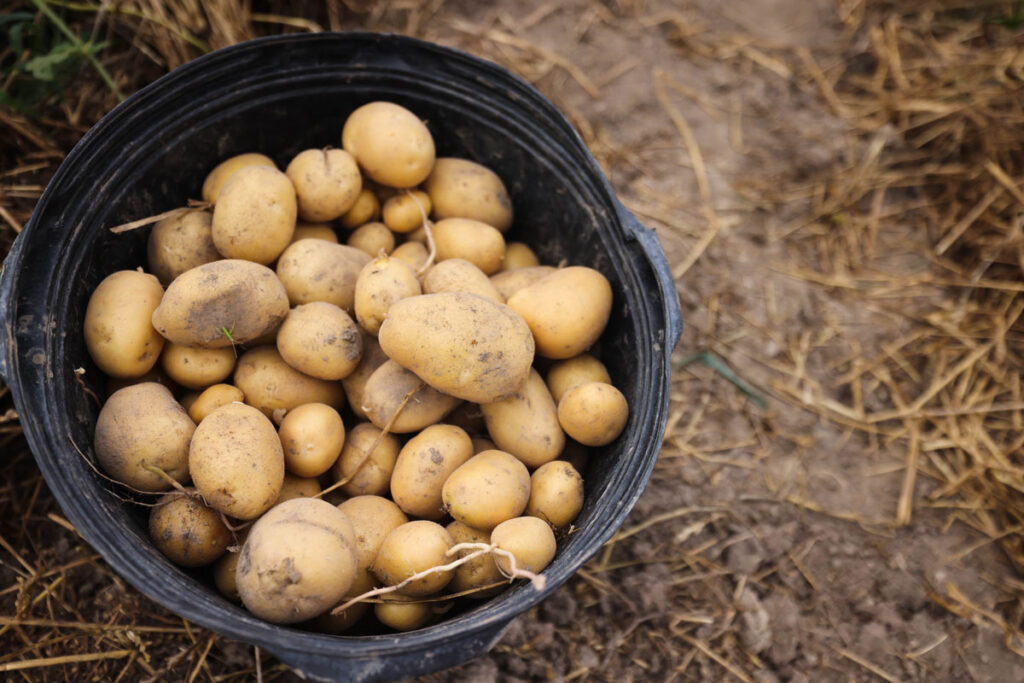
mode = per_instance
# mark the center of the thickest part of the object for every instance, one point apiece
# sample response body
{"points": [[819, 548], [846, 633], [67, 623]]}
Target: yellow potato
{"points": [[314, 231], [530, 540], [327, 183], [575, 371], [556, 493], [373, 518], [187, 532], [480, 444], [594, 413], [519, 255], [315, 270], [423, 465], [354, 384], [410, 549], [566, 311], [224, 170], [212, 398], [460, 188], [386, 390], [478, 572], [297, 487], [194, 367], [139, 427], [368, 472], [381, 283], [224, 574], [366, 209], [407, 211], [187, 400], [156, 374], [274, 387], [320, 340], [397, 612], [373, 238], [461, 344], [526, 423], [254, 216], [459, 275], [508, 282], [179, 243], [312, 436], [487, 489], [418, 235], [391, 144], [343, 621], [119, 333], [413, 253], [464, 238]]}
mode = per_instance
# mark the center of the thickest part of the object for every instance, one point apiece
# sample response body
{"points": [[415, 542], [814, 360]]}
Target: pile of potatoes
{"points": [[323, 418]]}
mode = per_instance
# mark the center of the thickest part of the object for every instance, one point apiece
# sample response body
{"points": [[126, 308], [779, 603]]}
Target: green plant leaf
{"points": [[42, 66]]}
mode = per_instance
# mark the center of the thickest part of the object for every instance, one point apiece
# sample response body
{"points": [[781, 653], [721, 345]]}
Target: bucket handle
{"points": [[648, 240]]}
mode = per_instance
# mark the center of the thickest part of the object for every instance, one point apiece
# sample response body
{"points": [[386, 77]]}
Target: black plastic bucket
{"points": [[278, 96]]}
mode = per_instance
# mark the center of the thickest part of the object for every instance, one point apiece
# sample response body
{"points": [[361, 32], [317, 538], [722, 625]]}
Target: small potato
{"points": [[508, 282], [526, 423], [407, 211], [413, 253], [339, 623], [464, 238], [327, 183], [530, 540], [221, 304], [410, 549], [314, 231], [397, 612], [373, 518], [187, 532], [271, 385], [594, 413], [459, 275], [460, 188], [315, 270], [373, 238], [297, 487], [575, 371], [224, 575], [179, 243], [312, 436], [423, 465], [556, 493], [236, 461], [381, 283], [391, 144], [139, 427], [119, 333], [478, 572], [212, 398], [487, 489], [418, 235], [225, 169], [386, 391], [519, 255], [194, 367], [320, 340], [368, 472], [298, 561], [480, 444], [254, 216], [366, 209], [354, 384], [566, 311]]}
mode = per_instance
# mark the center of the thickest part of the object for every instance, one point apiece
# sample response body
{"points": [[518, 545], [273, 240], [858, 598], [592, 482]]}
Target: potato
{"points": [[418, 235], [221, 304], [327, 183], [320, 340], [236, 461], [187, 532], [556, 493], [339, 623], [298, 561], [461, 344], [297, 487], [224, 575], [423, 465], [366, 209], [354, 384], [274, 387], [212, 398], [119, 332], [594, 413], [469, 417], [391, 144], [142, 426], [530, 540], [526, 423], [480, 444], [312, 436], [373, 238], [373, 518], [518, 255], [410, 549], [368, 472], [477, 242], [566, 311], [575, 371], [399, 613], [407, 211], [459, 275], [179, 243], [254, 216], [187, 400], [225, 169], [156, 374], [381, 283], [508, 282], [314, 231], [478, 572], [413, 253], [314, 270], [487, 489], [194, 367], [386, 391], [460, 188]]}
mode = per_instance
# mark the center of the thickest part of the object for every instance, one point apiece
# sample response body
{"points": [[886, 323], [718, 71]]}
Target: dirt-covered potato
{"points": [[478, 572], [575, 371], [187, 532], [526, 423], [373, 238], [391, 144], [220, 304], [312, 436], [423, 465], [406, 211], [508, 282], [222, 171], [365, 209], [316, 270], [254, 216], [594, 413], [194, 367], [343, 621], [179, 243], [529, 539], [327, 183], [298, 561], [412, 548], [297, 487], [236, 461], [381, 283], [461, 344], [354, 384], [556, 493], [386, 390], [487, 489], [464, 238], [460, 188], [368, 471], [400, 613], [212, 398], [119, 333], [519, 255], [142, 427], [314, 231], [413, 253], [373, 518], [320, 340], [274, 387], [459, 275]]}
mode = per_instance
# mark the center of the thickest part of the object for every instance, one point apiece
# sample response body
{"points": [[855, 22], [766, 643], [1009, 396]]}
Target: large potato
{"points": [[274, 387], [142, 426], [487, 489], [385, 392], [368, 471], [187, 532], [464, 238], [459, 275], [327, 183], [316, 270], [460, 188], [179, 243], [254, 216], [221, 304], [320, 340], [119, 333], [312, 437], [355, 383], [225, 169], [194, 367], [423, 465], [461, 344], [508, 282], [526, 423], [381, 283], [594, 413], [556, 493], [391, 144], [373, 518], [410, 549]]}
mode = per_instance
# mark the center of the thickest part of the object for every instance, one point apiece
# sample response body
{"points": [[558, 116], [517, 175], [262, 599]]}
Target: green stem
{"points": [[59, 23], [713, 362]]}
